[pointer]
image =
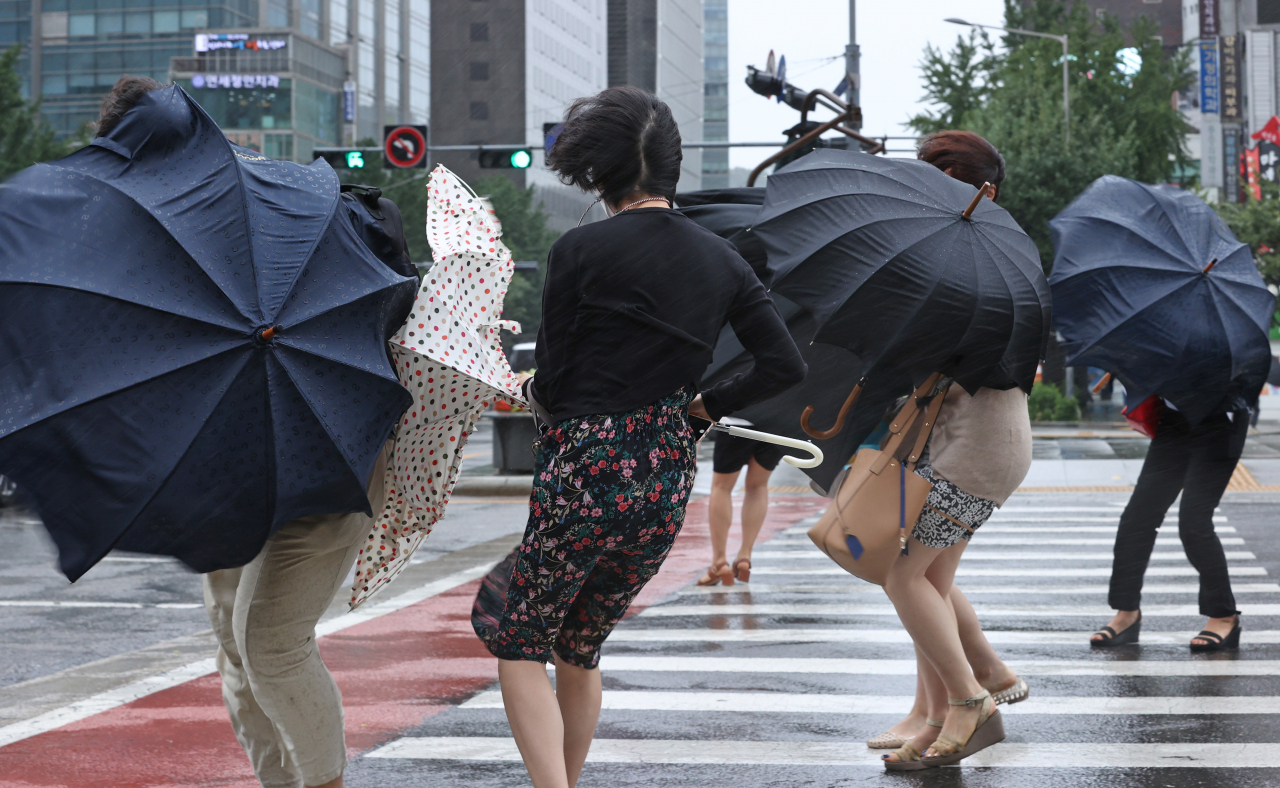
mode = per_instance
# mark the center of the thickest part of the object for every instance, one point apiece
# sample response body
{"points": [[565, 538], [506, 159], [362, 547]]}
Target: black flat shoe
{"points": [[1125, 637], [1218, 642]]}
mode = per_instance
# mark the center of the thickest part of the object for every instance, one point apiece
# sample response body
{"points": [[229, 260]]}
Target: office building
{"points": [[715, 103], [284, 97], [657, 45], [501, 69]]}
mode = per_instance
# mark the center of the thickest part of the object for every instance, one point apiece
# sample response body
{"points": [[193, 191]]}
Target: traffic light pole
{"points": [[852, 64]]}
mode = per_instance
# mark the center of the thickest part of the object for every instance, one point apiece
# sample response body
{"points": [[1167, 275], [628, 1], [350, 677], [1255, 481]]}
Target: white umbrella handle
{"points": [[780, 440]]}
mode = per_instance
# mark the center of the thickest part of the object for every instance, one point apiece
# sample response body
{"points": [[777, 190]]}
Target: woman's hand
{"points": [[697, 409], [521, 377]]}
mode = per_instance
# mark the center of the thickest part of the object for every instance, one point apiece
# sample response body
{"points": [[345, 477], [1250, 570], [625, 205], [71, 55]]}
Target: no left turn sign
{"points": [[405, 146]]}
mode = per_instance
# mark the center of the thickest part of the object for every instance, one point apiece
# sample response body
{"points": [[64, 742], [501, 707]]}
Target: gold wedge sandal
{"points": [[990, 730], [909, 758], [1016, 692]]}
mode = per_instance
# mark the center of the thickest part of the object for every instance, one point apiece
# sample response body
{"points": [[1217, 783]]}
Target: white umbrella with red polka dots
{"points": [[449, 357]]}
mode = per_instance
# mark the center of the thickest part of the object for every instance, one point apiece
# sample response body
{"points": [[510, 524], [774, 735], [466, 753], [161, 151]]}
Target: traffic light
{"points": [[505, 159], [345, 158]]}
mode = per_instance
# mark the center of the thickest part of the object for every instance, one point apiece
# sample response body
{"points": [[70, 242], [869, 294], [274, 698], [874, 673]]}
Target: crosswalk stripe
{"points": [[979, 554], [860, 587], [1032, 541], [907, 667], [840, 753], [999, 637], [848, 609], [798, 703], [972, 571], [801, 534]]}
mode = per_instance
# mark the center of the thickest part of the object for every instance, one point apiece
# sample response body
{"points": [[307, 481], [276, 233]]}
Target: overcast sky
{"points": [[891, 33]]}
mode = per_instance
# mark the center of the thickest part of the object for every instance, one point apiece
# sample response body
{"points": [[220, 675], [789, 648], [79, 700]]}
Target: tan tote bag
{"points": [[867, 524]]}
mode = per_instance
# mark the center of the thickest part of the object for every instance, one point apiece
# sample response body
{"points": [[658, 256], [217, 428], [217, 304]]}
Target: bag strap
{"points": [[902, 423], [930, 419]]}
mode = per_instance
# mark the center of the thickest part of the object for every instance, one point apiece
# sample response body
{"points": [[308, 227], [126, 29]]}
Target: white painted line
{"points": [[970, 571], [854, 586], [795, 703], [801, 534], [850, 609], [76, 603], [629, 634], [907, 667], [105, 701], [841, 753], [979, 554], [1032, 541]]}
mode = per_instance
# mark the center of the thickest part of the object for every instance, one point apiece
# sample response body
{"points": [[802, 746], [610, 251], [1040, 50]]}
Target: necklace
{"points": [[639, 202]]}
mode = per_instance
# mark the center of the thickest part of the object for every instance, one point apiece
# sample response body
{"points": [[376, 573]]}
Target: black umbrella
{"points": [[730, 213], [904, 267], [194, 343], [1151, 285]]}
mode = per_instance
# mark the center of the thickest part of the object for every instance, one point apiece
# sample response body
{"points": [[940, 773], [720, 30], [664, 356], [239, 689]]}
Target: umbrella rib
{"points": [[318, 411], [244, 209], [1136, 313], [1131, 231], [333, 206]]}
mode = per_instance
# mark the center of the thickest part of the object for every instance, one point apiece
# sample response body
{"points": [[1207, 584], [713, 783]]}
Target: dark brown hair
{"points": [[124, 94], [964, 156], [619, 142]]}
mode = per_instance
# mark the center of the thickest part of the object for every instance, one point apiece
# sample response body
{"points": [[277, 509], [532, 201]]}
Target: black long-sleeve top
{"points": [[630, 312]]}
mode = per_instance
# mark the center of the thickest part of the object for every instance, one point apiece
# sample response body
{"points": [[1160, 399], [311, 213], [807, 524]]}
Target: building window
{"points": [[1268, 12], [479, 31], [479, 71], [479, 110]]}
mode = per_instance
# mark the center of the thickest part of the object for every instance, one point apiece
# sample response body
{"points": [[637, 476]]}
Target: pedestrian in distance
{"points": [[978, 454], [632, 306], [731, 455], [1198, 463]]}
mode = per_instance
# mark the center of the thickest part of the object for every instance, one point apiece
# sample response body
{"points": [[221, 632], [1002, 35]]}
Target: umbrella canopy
{"points": [[730, 214], [1151, 285], [882, 253], [449, 358], [194, 343]]}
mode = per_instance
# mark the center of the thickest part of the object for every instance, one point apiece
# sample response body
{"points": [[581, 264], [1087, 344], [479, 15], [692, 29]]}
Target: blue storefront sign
{"points": [[349, 101], [1209, 77]]}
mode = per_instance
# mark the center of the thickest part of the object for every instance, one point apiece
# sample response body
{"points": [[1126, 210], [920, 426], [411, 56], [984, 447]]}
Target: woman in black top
{"points": [[631, 309]]}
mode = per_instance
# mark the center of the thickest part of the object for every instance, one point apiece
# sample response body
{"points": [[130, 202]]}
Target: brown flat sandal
{"points": [[742, 574], [716, 574], [909, 758], [989, 731]]}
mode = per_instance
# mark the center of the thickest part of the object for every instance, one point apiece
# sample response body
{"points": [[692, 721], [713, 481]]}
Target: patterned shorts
{"points": [[934, 530], [606, 507]]}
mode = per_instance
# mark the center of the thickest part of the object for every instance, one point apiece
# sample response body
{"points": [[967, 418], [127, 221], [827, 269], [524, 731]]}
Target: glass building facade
{"points": [[715, 108]]}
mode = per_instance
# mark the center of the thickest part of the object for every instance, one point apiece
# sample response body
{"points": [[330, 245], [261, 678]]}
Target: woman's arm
{"points": [[560, 299], [778, 365]]}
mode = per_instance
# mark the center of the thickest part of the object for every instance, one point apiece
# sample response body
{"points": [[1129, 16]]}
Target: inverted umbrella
{"points": [[193, 349], [1151, 285], [449, 358], [906, 268]]}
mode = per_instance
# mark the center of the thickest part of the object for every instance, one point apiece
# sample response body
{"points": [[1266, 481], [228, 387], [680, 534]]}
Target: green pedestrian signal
{"points": [[355, 160], [348, 158], [505, 159]]}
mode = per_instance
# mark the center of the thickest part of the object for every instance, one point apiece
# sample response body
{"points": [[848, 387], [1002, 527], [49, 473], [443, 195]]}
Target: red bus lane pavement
{"points": [[395, 669]]}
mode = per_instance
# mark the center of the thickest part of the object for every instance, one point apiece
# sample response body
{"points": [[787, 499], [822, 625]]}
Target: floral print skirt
{"points": [[606, 507], [935, 530]]}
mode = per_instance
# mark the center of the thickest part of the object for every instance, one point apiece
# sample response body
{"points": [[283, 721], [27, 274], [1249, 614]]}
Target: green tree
{"points": [[1257, 223], [25, 138], [1122, 122]]}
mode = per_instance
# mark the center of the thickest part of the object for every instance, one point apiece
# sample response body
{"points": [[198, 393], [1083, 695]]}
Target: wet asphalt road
{"points": [[729, 687]]}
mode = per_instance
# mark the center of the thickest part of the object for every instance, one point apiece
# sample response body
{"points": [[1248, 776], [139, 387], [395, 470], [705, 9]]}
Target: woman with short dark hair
{"points": [[631, 309]]}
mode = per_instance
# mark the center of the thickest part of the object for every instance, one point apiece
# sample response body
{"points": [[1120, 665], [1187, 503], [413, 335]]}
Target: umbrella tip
{"points": [[1211, 264], [264, 336]]}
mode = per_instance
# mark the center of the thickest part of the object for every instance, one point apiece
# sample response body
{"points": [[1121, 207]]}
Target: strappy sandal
{"points": [[1218, 642], [989, 731], [909, 758], [742, 574], [1016, 692], [716, 574], [1125, 637]]}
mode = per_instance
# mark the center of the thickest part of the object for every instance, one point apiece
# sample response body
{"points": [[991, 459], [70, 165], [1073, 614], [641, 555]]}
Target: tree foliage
{"points": [[1257, 223], [1122, 122], [25, 138]]}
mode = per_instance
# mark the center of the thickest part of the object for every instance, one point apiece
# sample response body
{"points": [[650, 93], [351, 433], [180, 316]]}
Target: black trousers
{"points": [[1198, 462]]}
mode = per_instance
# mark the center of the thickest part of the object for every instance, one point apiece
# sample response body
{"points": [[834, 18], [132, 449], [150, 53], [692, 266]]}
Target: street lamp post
{"points": [[1062, 39]]}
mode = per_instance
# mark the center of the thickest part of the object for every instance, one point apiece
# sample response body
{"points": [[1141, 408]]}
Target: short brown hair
{"points": [[964, 156], [124, 94]]}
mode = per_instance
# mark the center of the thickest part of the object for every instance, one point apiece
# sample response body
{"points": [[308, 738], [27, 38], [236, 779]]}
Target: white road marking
{"points": [[1032, 541], [105, 701], [980, 554], [77, 603], [907, 667], [1000, 637], [796, 703], [849, 609], [841, 753], [855, 586]]}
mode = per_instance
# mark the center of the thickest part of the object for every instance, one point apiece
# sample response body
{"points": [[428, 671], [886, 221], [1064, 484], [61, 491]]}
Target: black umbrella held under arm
{"points": [[1151, 285], [908, 269]]}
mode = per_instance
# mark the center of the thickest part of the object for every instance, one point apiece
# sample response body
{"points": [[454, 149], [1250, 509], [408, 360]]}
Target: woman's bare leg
{"points": [[929, 619], [755, 505], [536, 723], [720, 514], [578, 695], [988, 668]]}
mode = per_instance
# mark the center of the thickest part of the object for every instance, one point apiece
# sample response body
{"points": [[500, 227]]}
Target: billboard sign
{"points": [[245, 81], [1210, 93], [212, 42], [1209, 18]]}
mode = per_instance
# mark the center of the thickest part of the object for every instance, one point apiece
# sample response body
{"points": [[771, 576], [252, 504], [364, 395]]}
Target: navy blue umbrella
{"points": [[1151, 285], [193, 349]]}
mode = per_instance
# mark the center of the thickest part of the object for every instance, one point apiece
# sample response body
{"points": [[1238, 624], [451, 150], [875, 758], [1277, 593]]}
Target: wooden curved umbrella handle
{"points": [[839, 425], [977, 198]]}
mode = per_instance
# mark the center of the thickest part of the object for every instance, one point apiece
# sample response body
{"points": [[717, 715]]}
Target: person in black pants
{"points": [[1198, 462]]}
